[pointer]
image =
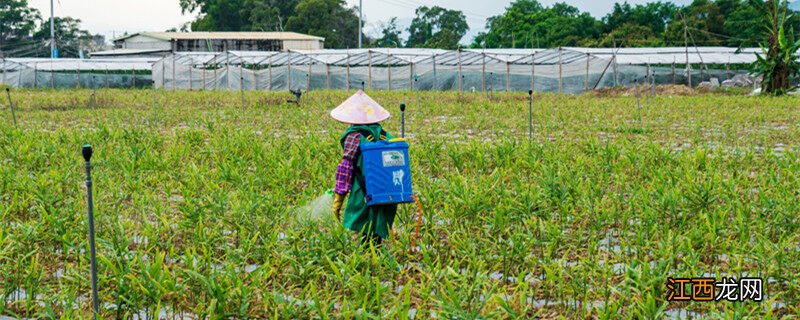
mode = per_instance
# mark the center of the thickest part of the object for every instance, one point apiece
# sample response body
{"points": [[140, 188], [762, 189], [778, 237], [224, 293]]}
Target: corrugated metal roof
{"points": [[225, 35]]}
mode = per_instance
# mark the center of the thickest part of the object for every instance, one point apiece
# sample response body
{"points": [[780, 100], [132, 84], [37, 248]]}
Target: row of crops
{"points": [[197, 203]]}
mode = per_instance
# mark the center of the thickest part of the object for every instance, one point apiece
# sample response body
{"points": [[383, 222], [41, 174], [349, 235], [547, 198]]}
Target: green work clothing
{"points": [[369, 220]]}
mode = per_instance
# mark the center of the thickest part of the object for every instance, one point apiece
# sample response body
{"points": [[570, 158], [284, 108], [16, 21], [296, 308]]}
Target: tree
{"points": [[631, 35], [437, 27], [70, 38], [329, 19], [526, 23], [703, 20], [390, 35], [270, 15], [654, 15], [18, 24], [779, 61], [218, 15]]}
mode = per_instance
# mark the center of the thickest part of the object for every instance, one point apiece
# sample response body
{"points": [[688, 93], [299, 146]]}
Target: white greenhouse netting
{"points": [[567, 70], [76, 73]]}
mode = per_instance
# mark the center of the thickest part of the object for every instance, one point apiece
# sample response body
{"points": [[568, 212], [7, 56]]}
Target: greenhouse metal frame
{"points": [[565, 70]]}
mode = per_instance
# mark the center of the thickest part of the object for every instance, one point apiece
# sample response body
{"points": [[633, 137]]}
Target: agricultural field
{"points": [[209, 208]]}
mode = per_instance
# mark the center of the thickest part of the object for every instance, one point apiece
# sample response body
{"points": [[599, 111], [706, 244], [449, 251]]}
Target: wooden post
{"points": [[269, 70], [460, 78], [728, 69], [673, 71], [389, 65], [289, 76], [369, 56], [483, 73], [328, 75], [174, 79], [191, 85], [560, 79], [586, 79], [411, 75], [348, 71], [433, 59], [508, 76]]}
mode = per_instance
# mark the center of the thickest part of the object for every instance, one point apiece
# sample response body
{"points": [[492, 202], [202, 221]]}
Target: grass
{"points": [[195, 214]]}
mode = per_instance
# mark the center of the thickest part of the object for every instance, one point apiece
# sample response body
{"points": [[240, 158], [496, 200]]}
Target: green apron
{"points": [[369, 220]]}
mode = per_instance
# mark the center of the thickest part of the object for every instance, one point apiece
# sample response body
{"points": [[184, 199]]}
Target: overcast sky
{"points": [[114, 17]]}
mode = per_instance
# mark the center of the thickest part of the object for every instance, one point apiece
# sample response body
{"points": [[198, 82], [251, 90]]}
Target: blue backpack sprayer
{"points": [[387, 173]]}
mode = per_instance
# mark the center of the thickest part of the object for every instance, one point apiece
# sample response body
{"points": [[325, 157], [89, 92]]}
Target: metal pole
{"points": [[402, 120], [87, 156], [530, 115], [52, 32], [35, 83], [106, 77], [348, 71], [360, 21], [328, 75], [11, 104], [647, 81], [308, 78]]}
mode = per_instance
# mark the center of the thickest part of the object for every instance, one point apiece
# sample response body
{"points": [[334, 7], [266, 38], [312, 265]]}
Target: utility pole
{"points": [[360, 20], [53, 53]]}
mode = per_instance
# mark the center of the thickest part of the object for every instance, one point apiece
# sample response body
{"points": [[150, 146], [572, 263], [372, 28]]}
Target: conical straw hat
{"points": [[360, 109]]}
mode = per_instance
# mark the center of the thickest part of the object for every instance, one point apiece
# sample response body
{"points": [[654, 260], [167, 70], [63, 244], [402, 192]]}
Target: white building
{"points": [[163, 43]]}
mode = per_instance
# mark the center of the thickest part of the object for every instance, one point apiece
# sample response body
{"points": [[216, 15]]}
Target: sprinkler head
{"points": [[530, 92], [402, 107], [87, 152]]}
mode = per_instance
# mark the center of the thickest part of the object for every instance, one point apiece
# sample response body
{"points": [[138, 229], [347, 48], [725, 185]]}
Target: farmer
{"points": [[373, 222]]}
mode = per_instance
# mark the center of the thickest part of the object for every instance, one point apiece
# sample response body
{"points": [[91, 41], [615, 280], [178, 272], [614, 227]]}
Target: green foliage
{"points": [[329, 19], [70, 38], [196, 216], [390, 35], [437, 27], [526, 24], [779, 62], [19, 23], [631, 35]]}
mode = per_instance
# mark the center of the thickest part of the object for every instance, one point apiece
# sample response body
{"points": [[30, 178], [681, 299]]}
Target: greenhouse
{"points": [[76, 73], [566, 70]]}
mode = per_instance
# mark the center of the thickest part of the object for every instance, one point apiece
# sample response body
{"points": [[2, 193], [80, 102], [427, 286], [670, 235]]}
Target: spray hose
{"points": [[419, 222]]}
